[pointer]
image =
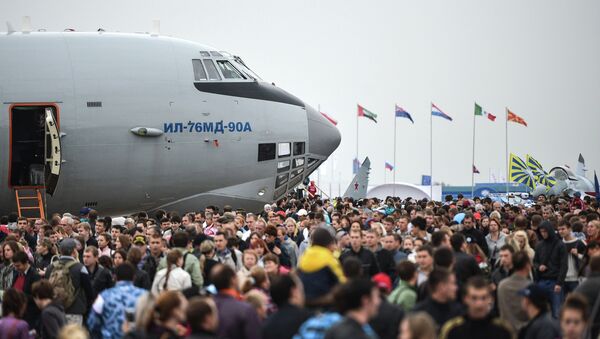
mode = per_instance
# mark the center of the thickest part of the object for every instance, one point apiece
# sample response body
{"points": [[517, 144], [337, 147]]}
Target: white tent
{"points": [[404, 190]]}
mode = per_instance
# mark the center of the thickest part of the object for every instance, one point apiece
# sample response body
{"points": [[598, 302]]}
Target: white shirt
{"points": [[178, 280]]}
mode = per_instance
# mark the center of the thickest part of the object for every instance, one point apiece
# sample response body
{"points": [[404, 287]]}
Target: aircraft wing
{"points": [[358, 186]]}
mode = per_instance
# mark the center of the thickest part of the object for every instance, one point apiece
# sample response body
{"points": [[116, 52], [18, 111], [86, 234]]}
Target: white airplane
{"points": [[126, 122]]}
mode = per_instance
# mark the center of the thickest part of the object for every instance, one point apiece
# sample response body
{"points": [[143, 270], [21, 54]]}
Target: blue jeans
{"points": [[569, 287], [555, 298]]}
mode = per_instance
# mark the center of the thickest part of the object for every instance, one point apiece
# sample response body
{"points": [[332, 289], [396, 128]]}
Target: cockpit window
{"points": [[205, 54], [211, 70], [199, 72], [228, 70], [215, 54]]}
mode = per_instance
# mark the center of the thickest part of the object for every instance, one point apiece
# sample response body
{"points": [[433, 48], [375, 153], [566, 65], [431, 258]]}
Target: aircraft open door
{"points": [[53, 152]]}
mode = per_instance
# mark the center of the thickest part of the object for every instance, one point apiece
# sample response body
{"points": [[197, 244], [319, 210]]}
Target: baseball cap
{"points": [[84, 210], [537, 295], [67, 245], [302, 213], [139, 239], [383, 281]]}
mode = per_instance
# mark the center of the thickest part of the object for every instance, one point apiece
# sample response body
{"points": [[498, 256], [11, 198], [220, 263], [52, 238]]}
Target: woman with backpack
{"points": [[172, 278]]}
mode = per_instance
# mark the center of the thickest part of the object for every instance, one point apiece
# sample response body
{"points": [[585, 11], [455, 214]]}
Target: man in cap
{"points": [[541, 325], [77, 306]]}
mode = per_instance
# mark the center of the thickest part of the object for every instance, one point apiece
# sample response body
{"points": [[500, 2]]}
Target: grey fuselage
{"points": [[205, 150]]}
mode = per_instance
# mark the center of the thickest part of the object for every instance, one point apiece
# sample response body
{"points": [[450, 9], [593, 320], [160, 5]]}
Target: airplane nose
{"points": [[323, 136]]}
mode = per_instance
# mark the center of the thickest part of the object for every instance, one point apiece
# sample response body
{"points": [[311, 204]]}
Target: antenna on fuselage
{"points": [[9, 28], [155, 28], [26, 27]]}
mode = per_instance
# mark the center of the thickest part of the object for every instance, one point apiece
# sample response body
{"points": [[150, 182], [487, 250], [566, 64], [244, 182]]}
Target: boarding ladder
{"points": [[29, 200]]}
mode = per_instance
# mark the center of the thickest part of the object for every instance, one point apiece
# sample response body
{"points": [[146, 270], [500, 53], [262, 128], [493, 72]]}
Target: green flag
{"points": [[478, 110]]}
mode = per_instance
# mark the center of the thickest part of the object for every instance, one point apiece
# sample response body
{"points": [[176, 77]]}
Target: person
{"points": [[172, 278], [286, 292], [509, 300], [52, 317], [541, 325], [9, 248], [574, 317], [504, 268], [237, 319], [589, 290], [440, 304], [417, 326], [475, 235], [142, 278], [424, 261], [405, 294], [73, 331], [71, 282], [318, 269], [108, 311], [465, 265], [14, 303], [388, 316], [225, 255], [100, 277], [551, 265], [168, 313], [191, 264], [575, 249], [367, 257], [359, 302], [24, 276], [495, 240], [202, 316], [478, 321]]}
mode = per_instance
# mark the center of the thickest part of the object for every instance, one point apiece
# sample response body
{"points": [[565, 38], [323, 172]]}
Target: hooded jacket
{"points": [[552, 253]]}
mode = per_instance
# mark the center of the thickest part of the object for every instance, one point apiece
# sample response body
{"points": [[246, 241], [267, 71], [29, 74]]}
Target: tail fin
{"points": [[358, 186], [581, 169]]}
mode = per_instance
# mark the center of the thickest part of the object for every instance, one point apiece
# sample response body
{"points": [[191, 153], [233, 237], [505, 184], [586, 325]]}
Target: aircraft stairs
{"points": [[30, 202]]}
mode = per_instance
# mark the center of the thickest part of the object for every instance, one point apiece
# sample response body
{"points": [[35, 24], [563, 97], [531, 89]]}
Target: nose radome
{"points": [[323, 136]]}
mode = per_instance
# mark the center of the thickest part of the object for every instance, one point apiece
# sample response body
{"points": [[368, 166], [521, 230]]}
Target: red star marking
{"points": [[356, 186]]}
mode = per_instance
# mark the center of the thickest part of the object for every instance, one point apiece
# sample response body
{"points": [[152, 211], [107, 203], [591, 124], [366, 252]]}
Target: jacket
{"points": [[370, 266], [487, 328], [550, 252], [541, 327], [465, 267], [404, 295], [142, 279], [101, 279], [438, 311], [81, 282], [509, 300], [285, 322], [350, 328], [179, 280], [190, 265], [32, 312], [319, 271], [477, 236], [231, 258], [237, 319], [108, 312], [385, 323], [52, 319]]}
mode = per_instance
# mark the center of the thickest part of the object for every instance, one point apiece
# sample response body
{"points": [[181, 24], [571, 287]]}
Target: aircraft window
{"points": [[298, 148], [298, 162], [281, 179], [283, 149], [295, 173], [312, 161], [228, 71], [211, 70], [283, 166], [199, 72], [266, 152], [216, 54], [205, 54]]}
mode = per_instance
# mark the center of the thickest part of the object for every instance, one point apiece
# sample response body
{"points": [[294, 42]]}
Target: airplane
{"points": [[127, 122], [572, 182], [358, 186]]}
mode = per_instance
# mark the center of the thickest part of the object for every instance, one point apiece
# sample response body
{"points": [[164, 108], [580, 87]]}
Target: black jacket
{"points": [[541, 327], [101, 279], [477, 236], [346, 329], [465, 327], [385, 323], [552, 253], [142, 280], [83, 287], [32, 312], [285, 322], [370, 266], [438, 311], [52, 320], [465, 267]]}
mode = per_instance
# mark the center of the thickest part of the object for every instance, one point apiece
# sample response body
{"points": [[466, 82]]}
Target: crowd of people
{"points": [[308, 267]]}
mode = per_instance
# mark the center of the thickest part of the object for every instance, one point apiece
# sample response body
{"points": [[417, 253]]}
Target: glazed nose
{"points": [[323, 136]]}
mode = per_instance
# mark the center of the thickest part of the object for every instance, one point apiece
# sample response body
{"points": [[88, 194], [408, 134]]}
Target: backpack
{"points": [[62, 283]]}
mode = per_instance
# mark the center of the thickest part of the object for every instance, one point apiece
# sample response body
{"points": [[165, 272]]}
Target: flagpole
{"points": [[506, 152], [430, 153], [473, 164], [356, 143], [394, 170]]}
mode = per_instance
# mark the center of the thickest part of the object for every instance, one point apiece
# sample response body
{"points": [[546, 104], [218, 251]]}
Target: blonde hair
{"points": [[515, 243], [421, 326], [73, 331]]}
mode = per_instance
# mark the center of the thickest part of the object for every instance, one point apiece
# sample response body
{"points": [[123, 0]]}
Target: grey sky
{"points": [[540, 58]]}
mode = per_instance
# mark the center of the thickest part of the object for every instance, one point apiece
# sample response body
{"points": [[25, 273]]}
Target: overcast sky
{"points": [[540, 58]]}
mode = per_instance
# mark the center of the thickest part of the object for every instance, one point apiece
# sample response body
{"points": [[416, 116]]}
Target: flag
{"points": [[510, 116], [389, 166], [355, 165], [425, 180], [363, 112], [596, 187], [475, 170], [438, 112], [401, 113], [540, 176], [519, 172], [332, 120], [479, 111]]}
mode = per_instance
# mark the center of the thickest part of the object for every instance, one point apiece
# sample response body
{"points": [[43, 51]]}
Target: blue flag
{"points": [[596, 187], [425, 180], [401, 113]]}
